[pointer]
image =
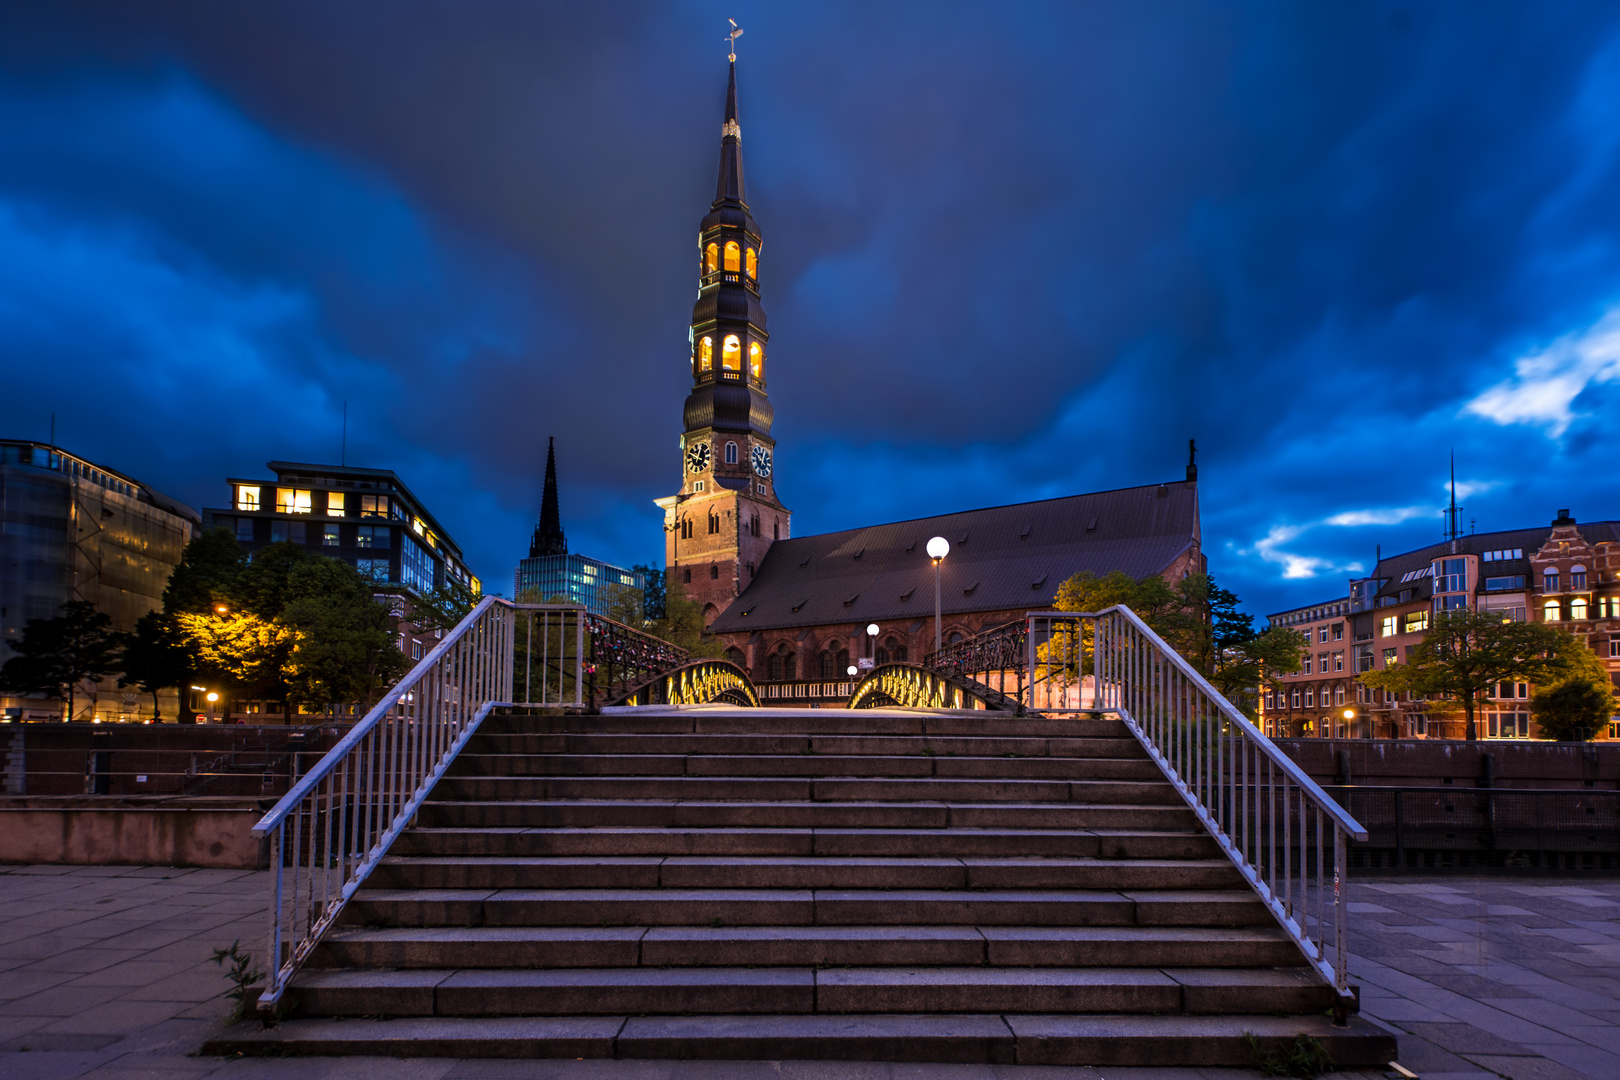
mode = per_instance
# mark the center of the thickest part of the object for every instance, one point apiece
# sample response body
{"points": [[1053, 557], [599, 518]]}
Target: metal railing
{"points": [[1281, 831], [337, 821]]}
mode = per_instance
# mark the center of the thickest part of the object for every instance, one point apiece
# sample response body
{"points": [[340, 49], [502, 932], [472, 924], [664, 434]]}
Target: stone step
{"points": [[636, 840], [797, 872], [739, 991], [1120, 745], [803, 907], [750, 789], [806, 946], [698, 813], [819, 722], [802, 765], [1105, 1040]]}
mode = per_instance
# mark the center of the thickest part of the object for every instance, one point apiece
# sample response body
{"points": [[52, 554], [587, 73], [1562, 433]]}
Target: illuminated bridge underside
{"points": [[700, 682], [917, 687]]}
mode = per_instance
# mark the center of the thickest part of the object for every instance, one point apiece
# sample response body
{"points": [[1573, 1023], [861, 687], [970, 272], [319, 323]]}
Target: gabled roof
{"points": [[1002, 558], [1396, 567]]}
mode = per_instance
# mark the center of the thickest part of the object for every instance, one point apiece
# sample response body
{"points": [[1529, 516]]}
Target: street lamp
{"points": [[1349, 715], [871, 645], [938, 548], [211, 698]]}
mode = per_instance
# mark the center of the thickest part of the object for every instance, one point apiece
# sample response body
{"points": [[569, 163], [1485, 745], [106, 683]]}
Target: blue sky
{"points": [[1011, 252]]}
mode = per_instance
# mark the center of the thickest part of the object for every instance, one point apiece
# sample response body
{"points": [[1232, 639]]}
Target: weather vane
{"points": [[731, 39]]}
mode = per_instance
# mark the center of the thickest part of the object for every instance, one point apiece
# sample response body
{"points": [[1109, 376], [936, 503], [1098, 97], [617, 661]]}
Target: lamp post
{"points": [[1349, 715], [938, 548], [871, 643]]}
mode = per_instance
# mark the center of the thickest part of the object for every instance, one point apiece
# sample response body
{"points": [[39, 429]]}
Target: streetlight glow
{"points": [[1349, 714], [872, 629], [938, 547], [852, 670]]}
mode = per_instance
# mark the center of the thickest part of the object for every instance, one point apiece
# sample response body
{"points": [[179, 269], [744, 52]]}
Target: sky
{"points": [[1011, 252]]}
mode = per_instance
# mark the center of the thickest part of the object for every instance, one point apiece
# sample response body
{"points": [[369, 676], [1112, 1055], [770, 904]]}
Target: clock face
{"points": [[697, 457], [761, 458]]}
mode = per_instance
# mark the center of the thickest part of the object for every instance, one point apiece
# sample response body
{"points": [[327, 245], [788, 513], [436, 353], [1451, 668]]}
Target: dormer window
{"points": [[733, 256], [711, 258], [753, 264], [731, 354]]}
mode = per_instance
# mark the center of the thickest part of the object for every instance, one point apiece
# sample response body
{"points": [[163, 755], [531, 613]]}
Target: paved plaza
{"points": [[105, 972]]}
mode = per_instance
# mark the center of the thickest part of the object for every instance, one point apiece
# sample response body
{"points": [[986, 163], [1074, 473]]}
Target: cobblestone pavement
{"points": [[105, 972]]}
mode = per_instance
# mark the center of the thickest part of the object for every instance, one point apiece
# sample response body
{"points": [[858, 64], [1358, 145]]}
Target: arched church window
{"points": [[731, 354], [753, 264], [711, 258], [773, 667], [735, 655], [731, 453], [955, 637], [714, 571], [881, 656], [756, 360], [688, 577], [776, 530], [733, 256], [826, 664], [843, 662], [706, 354], [790, 666]]}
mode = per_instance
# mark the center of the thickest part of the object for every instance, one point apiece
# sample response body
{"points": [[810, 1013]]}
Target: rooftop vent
{"points": [[1163, 491], [1025, 534], [801, 603], [907, 594], [1038, 582], [1091, 526], [806, 562], [853, 597], [911, 547], [969, 590], [964, 539], [861, 552]]}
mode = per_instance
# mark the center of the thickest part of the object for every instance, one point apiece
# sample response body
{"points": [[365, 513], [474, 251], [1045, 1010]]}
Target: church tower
{"points": [[726, 516]]}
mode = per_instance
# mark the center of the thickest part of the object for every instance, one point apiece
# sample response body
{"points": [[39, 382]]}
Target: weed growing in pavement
{"points": [[242, 975], [1304, 1059]]}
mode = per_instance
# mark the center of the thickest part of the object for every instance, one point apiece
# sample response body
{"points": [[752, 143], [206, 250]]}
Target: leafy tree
{"points": [[625, 604], [1575, 706], [1179, 614], [444, 607], [345, 644], [1468, 652], [682, 624], [208, 569], [1241, 669], [56, 656], [155, 656], [250, 652], [652, 596]]}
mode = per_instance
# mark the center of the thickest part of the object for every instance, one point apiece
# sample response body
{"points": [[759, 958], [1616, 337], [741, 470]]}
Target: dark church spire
{"points": [[730, 186], [548, 535]]}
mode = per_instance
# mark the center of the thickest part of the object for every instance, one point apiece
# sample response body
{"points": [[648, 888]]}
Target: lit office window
{"points": [[373, 506], [334, 504], [247, 497], [290, 501]]}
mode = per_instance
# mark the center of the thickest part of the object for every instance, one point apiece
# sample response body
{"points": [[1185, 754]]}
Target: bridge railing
{"points": [[338, 820], [1282, 832]]}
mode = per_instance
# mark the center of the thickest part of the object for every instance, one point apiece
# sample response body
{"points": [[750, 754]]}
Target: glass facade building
{"points": [[576, 579], [71, 529]]}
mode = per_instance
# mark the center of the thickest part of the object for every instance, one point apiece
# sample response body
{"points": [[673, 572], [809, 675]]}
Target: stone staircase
{"points": [[828, 884]]}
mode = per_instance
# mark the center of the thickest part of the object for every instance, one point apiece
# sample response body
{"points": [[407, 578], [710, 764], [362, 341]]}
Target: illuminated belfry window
{"points": [[756, 360], [711, 258], [706, 354], [753, 264], [731, 354], [733, 256]]}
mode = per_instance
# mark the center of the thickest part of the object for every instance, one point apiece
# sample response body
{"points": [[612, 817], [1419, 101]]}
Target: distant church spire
{"points": [[548, 535]]}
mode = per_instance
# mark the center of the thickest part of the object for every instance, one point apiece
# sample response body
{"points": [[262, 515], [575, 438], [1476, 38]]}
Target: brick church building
{"points": [[794, 611]]}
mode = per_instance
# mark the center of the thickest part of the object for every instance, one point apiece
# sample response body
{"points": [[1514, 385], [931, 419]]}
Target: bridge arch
{"points": [[915, 686], [697, 682]]}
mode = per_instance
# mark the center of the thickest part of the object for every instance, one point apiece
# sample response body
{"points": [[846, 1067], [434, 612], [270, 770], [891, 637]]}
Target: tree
{"points": [[625, 604], [345, 644], [1179, 614], [1241, 669], [444, 607], [682, 624], [1575, 706], [208, 569], [1468, 652], [652, 595], [55, 656], [156, 656]]}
